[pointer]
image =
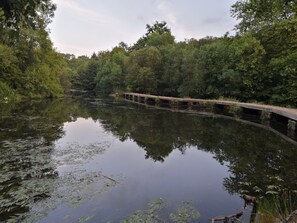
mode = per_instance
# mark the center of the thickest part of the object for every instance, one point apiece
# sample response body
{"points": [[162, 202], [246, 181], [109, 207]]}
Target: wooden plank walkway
{"points": [[286, 112], [266, 113]]}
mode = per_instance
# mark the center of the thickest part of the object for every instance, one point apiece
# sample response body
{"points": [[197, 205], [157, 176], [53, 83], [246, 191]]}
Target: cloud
{"points": [[140, 18], [64, 47], [213, 20], [164, 10], [84, 26], [88, 14], [171, 16]]}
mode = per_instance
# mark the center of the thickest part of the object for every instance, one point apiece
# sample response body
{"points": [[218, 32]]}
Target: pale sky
{"points": [[82, 27]]}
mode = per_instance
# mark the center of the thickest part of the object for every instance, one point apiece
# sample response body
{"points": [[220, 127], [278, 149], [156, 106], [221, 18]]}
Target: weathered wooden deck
{"points": [[265, 111]]}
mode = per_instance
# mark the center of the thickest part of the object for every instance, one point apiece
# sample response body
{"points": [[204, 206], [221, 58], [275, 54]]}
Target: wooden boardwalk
{"points": [[265, 111]]}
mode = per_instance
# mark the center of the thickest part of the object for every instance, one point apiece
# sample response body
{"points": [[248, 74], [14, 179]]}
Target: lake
{"points": [[85, 159]]}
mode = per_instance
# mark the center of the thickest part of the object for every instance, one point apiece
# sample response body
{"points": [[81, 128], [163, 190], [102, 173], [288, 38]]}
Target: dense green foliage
{"points": [[257, 13], [29, 66], [6, 93], [19, 13], [257, 64]]}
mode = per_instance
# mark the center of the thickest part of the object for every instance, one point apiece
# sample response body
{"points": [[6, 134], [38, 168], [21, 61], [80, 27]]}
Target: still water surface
{"points": [[100, 160]]}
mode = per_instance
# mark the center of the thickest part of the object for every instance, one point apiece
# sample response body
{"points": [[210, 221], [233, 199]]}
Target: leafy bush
{"points": [[6, 93]]}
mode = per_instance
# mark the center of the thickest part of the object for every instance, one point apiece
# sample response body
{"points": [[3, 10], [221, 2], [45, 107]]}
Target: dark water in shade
{"points": [[100, 160]]}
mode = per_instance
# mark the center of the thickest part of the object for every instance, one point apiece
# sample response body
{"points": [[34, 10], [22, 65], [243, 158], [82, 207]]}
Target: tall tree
{"points": [[159, 28], [30, 65], [143, 70], [249, 79], [253, 14], [111, 72], [16, 13]]}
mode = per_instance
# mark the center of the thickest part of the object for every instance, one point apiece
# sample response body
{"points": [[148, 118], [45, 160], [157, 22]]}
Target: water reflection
{"points": [[26, 143], [256, 157], [49, 150], [37, 173]]}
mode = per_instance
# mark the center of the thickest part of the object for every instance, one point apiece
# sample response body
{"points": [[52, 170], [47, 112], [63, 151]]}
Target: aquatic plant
{"points": [[277, 207], [31, 185], [150, 215], [184, 213]]}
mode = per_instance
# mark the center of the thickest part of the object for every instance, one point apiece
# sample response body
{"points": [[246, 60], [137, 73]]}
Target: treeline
{"points": [[29, 66], [257, 64]]}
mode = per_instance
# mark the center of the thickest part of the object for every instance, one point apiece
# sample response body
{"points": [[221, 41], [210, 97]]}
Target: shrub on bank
{"points": [[6, 93]]}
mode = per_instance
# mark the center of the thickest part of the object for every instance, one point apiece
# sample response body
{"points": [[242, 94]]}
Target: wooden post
{"points": [[235, 110], [190, 105], [173, 104], [158, 102], [292, 127], [135, 98], [265, 117]]}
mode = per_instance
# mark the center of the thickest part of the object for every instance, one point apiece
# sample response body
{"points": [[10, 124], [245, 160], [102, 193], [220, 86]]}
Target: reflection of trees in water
{"points": [[28, 176], [25, 163], [28, 131], [258, 160], [263, 172]]}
